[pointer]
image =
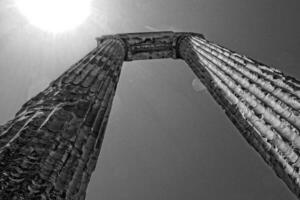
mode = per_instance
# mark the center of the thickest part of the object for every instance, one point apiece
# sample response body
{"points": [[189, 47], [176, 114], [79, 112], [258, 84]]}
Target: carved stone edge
{"points": [[113, 37], [177, 37]]}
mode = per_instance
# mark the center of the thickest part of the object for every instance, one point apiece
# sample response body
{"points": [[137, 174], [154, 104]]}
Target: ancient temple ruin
{"points": [[50, 149]]}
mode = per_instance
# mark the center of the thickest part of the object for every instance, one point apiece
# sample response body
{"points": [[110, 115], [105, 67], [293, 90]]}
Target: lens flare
{"points": [[55, 15]]}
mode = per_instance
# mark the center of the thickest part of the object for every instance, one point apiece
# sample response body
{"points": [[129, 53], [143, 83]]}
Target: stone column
{"points": [[50, 149], [261, 101]]}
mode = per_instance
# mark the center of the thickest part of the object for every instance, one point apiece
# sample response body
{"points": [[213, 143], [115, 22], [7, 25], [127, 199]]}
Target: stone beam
{"points": [[150, 45]]}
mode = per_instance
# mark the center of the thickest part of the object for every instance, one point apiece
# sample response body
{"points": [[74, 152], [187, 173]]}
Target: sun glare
{"points": [[55, 16]]}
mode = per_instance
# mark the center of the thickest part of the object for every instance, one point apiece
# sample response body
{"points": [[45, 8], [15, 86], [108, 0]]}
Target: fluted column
{"points": [[50, 149], [261, 101]]}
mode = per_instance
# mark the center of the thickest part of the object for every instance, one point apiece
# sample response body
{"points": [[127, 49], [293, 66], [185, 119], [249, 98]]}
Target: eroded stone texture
{"points": [[261, 101], [50, 149], [150, 45]]}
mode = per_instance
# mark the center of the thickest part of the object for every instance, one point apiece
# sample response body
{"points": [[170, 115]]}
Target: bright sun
{"points": [[55, 16]]}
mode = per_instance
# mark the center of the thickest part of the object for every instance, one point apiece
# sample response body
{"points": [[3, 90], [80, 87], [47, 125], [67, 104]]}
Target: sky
{"points": [[166, 138]]}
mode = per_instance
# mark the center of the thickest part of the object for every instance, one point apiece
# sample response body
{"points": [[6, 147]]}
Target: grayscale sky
{"points": [[167, 139]]}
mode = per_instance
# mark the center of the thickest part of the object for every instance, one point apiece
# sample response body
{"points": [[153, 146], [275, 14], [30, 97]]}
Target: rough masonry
{"points": [[50, 149]]}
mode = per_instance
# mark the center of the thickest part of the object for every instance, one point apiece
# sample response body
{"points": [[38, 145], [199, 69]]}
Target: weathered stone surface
{"points": [[50, 149], [150, 45], [261, 101], [44, 151]]}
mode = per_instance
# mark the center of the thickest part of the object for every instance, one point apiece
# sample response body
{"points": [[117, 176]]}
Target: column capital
{"points": [[117, 38], [179, 36]]}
